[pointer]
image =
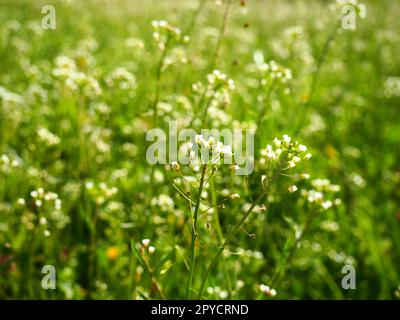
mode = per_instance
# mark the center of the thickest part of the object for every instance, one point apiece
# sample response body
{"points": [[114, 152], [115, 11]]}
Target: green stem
{"points": [[196, 14], [158, 80], [221, 34], [194, 232], [317, 73], [236, 228], [288, 257], [228, 239]]}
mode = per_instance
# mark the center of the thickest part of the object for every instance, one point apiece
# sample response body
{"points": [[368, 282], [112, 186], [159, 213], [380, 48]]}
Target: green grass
{"points": [[94, 157]]}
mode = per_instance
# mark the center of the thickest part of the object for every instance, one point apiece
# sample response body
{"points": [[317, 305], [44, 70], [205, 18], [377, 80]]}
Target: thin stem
{"points": [[288, 257], [153, 279], [196, 14], [263, 109], [228, 239], [194, 232], [221, 33], [317, 73], [236, 228], [158, 80]]}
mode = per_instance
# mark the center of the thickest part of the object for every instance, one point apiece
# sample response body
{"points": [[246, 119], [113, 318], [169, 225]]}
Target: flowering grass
{"points": [[77, 190]]}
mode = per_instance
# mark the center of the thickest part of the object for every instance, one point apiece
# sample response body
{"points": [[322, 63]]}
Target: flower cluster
{"points": [[163, 33], [41, 197], [284, 152], [11, 107], [48, 211], [146, 246], [322, 195], [164, 202], [208, 151], [122, 79], [267, 290], [101, 192], [293, 44], [67, 71], [360, 8], [392, 87], [217, 292], [7, 164], [271, 72], [217, 89], [47, 137]]}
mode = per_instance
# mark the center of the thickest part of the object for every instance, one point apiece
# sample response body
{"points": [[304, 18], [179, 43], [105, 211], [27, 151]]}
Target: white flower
{"points": [[146, 242], [198, 138], [327, 204], [152, 249], [175, 165], [286, 138], [267, 290], [302, 148], [292, 189], [305, 176]]}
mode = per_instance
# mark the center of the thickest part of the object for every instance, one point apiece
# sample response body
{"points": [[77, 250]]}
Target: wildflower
{"points": [[360, 8], [272, 73], [122, 79], [392, 87], [48, 137], [112, 253], [235, 196], [307, 156], [152, 249], [292, 189], [293, 152], [305, 176], [321, 196], [267, 290], [175, 165], [146, 242], [163, 33], [163, 201]]}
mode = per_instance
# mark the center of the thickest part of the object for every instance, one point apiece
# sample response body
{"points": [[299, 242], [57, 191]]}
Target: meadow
{"points": [[79, 197]]}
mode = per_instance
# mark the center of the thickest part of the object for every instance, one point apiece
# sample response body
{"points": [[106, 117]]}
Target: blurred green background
{"points": [[87, 145]]}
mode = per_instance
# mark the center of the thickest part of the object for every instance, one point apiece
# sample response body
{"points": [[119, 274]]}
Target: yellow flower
{"points": [[112, 253]]}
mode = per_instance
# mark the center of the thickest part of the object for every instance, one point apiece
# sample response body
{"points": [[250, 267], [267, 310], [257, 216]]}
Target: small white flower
{"points": [[327, 204], [198, 138], [286, 138], [146, 242], [152, 249], [175, 165], [302, 148], [292, 189], [305, 176]]}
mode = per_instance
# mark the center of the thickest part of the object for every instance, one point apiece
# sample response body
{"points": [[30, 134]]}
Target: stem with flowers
{"points": [[194, 231], [236, 228]]}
